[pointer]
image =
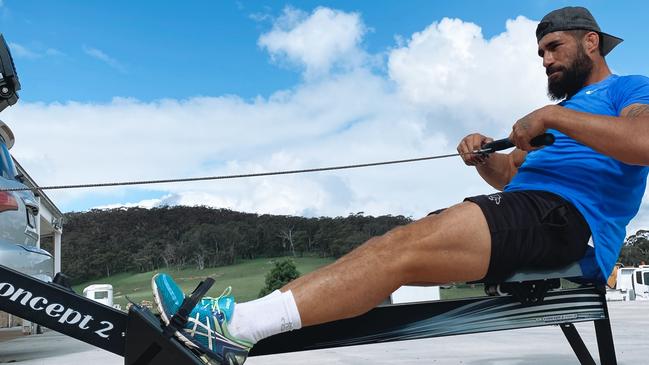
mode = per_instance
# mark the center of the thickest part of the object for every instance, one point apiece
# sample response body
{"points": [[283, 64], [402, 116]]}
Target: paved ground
{"points": [[535, 346], [10, 333]]}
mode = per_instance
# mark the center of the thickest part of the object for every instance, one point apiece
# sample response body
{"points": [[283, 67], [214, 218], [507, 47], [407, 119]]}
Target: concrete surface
{"points": [[533, 346], [10, 333]]}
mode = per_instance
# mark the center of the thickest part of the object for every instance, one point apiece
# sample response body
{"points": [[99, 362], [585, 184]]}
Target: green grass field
{"points": [[246, 278]]}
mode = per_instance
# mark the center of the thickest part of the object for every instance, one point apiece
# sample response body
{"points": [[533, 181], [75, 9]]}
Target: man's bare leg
{"points": [[454, 245]]}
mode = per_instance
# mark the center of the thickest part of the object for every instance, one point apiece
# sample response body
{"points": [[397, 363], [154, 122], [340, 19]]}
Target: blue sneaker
{"points": [[207, 326]]}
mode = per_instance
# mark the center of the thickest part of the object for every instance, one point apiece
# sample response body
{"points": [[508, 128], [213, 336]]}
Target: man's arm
{"points": [[497, 169], [625, 138]]}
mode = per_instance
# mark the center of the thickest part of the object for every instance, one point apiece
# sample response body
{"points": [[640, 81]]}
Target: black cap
{"points": [[575, 18]]}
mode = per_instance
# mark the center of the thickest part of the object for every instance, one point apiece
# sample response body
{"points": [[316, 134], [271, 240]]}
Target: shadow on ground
{"points": [[535, 359]]}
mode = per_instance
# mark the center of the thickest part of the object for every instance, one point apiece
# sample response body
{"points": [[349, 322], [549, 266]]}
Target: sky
{"points": [[140, 90]]}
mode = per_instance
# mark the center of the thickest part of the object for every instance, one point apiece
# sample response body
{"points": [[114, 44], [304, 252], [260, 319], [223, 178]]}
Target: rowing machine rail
{"points": [[525, 302]]}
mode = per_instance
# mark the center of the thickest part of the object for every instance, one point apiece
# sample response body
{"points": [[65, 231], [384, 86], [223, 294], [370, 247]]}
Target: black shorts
{"points": [[533, 230]]}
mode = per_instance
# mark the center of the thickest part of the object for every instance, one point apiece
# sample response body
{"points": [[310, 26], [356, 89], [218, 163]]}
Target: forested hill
{"points": [[101, 243]]}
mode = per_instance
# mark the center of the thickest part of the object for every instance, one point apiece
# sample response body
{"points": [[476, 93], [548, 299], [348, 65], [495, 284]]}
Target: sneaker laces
{"points": [[221, 316], [214, 302]]}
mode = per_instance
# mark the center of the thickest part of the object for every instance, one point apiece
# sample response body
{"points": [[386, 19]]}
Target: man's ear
{"points": [[591, 42]]}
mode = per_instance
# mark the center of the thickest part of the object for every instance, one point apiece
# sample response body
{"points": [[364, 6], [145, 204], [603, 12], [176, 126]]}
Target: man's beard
{"points": [[572, 79]]}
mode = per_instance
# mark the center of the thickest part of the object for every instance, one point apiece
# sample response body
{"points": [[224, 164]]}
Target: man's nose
{"points": [[548, 60]]}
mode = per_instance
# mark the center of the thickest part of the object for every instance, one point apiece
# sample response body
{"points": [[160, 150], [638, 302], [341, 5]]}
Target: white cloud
{"points": [[442, 83], [640, 221], [20, 51], [147, 203], [450, 68], [318, 41], [53, 52], [103, 57], [346, 119], [260, 17]]}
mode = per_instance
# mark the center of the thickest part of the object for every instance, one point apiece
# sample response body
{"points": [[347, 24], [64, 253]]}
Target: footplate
{"points": [[147, 343]]}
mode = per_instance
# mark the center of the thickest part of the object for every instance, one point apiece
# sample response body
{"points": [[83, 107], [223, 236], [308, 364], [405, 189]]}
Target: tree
{"points": [[635, 249], [100, 243], [287, 236], [280, 275]]}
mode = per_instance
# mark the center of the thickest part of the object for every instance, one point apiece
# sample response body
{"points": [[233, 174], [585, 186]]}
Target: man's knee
{"points": [[441, 228], [457, 236]]}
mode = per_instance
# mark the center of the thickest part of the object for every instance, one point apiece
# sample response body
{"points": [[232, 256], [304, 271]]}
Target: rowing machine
{"points": [[527, 299]]}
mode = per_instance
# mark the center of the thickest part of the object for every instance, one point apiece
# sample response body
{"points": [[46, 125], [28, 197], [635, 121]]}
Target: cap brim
{"points": [[609, 42]]}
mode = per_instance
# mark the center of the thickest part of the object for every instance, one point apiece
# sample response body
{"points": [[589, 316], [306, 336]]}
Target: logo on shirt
{"points": [[495, 198], [588, 92]]}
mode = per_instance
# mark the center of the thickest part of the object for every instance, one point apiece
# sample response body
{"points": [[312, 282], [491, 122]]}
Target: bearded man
{"points": [[567, 202]]}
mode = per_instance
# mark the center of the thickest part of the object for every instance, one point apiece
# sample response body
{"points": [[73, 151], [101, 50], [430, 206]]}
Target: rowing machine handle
{"points": [[545, 139]]}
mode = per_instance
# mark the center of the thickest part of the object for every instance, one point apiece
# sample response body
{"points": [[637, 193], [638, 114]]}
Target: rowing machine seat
{"points": [[531, 286], [567, 272], [571, 272]]}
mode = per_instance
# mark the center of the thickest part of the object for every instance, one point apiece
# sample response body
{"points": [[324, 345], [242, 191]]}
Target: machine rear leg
{"points": [[605, 342]]}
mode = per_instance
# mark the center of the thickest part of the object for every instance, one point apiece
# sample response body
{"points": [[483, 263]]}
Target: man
{"points": [[559, 204]]}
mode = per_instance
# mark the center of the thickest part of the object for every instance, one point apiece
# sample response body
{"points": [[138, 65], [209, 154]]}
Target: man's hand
{"points": [[530, 126], [497, 169], [470, 143]]}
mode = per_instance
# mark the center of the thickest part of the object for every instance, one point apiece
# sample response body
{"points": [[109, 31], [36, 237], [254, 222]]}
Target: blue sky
{"points": [[132, 90], [164, 49]]}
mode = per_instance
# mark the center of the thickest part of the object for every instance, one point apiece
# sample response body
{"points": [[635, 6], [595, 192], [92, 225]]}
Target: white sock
{"points": [[267, 296], [264, 317]]}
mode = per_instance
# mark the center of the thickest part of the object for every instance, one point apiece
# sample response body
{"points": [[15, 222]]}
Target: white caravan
{"points": [[632, 284], [102, 293]]}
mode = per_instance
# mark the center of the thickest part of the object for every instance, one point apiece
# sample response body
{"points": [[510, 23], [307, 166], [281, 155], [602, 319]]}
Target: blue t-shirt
{"points": [[606, 191]]}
